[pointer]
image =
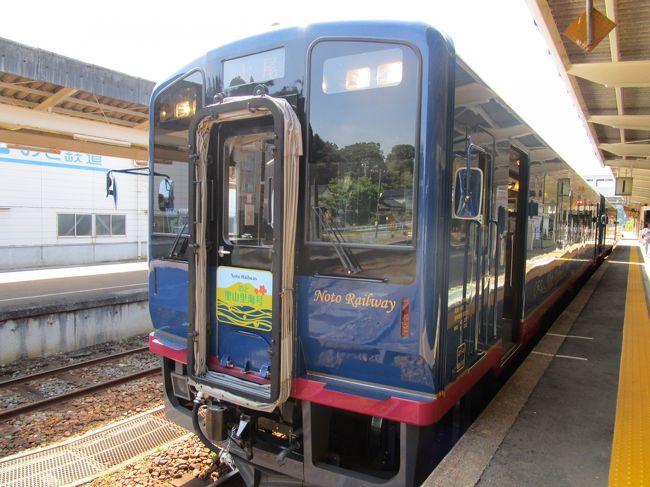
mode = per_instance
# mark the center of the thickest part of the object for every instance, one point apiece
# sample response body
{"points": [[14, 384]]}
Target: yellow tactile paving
{"points": [[630, 461]]}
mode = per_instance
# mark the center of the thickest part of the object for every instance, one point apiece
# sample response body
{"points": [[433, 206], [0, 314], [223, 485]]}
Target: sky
{"points": [[151, 39]]}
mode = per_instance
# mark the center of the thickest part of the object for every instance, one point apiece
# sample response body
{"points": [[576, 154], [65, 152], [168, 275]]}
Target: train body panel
{"points": [[428, 242]]}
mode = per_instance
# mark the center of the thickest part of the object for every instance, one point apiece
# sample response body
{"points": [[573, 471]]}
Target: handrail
{"points": [[477, 294], [497, 255]]}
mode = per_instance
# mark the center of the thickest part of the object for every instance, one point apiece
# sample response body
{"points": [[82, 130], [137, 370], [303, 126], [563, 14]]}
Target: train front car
{"points": [[344, 391], [359, 232]]}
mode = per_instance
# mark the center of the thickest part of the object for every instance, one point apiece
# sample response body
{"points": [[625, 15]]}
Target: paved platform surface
{"points": [[577, 411], [27, 293]]}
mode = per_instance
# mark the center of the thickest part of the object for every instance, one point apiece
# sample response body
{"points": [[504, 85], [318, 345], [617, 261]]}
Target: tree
{"points": [[399, 165], [237, 80]]}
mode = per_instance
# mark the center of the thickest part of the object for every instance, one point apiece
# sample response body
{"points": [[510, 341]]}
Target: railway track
{"points": [[21, 386], [231, 479]]}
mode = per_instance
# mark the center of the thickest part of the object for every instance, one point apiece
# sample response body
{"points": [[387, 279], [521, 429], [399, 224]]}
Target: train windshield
{"points": [[173, 111], [363, 121]]}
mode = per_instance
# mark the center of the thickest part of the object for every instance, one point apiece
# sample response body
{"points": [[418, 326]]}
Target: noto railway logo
{"points": [[243, 298]]}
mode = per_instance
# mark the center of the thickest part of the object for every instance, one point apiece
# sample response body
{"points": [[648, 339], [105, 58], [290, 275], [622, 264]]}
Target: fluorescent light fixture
{"points": [[101, 140], [389, 74], [357, 79]]}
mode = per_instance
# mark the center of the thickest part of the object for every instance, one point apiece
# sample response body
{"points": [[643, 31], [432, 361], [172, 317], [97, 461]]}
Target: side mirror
{"points": [[166, 195], [111, 187], [468, 193]]}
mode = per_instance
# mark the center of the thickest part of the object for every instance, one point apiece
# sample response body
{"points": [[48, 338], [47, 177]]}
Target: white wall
{"points": [[35, 187]]}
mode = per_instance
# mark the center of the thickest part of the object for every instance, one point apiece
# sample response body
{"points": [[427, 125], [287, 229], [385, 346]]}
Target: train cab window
{"points": [[173, 111], [363, 128]]}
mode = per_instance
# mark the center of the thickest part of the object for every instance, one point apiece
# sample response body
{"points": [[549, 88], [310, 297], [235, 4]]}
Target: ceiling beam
{"points": [[16, 102], [59, 143], [500, 134], [610, 9], [472, 94], [64, 93], [636, 164], [636, 122], [55, 99], [110, 108], [631, 150], [142, 126], [97, 116], [53, 122], [545, 154], [623, 74]]}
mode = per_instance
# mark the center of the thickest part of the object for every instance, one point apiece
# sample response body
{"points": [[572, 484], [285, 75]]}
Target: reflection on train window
{"points": [[560, 215], [250, 165], [362, 168]]}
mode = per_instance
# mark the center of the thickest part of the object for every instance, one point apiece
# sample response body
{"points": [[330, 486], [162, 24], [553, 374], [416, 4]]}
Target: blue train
{"points": [[349, 230]]}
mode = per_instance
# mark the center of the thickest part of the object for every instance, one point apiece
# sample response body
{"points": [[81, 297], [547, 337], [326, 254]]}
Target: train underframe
{"points": [[303, 443]]}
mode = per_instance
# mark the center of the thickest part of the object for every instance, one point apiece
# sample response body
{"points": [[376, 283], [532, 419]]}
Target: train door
{"points": [[241, 211], [472, 290], [243, 233]]}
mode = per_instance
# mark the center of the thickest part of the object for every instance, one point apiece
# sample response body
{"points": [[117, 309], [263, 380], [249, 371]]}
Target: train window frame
{"points": [[229, 134], [389, 43], [153, 187]]}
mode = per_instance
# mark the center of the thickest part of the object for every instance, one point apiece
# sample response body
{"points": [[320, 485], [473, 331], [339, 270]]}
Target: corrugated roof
{"points": [[52, 102], [612, 80]]}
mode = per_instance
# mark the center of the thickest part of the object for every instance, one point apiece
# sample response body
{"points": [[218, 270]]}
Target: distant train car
{"points": [[349, 230]]}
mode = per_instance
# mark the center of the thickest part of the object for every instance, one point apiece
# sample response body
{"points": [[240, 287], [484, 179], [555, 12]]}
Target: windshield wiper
{"points": [[344, 254], [181, 233]]}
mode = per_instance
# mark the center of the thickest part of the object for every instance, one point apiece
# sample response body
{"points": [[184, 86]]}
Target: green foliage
{"points": [[352, 201], [358, 176]]}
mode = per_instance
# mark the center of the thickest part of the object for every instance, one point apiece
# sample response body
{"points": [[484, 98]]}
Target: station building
{"points": [[54, 210]]}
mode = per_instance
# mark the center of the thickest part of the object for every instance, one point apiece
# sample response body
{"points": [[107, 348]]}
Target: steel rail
{"points": [[9, 413], [85, 363], [231, 479]]}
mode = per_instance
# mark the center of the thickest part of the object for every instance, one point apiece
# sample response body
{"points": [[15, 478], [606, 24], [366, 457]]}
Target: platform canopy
{"points": [[49, 102], [611, 82]]}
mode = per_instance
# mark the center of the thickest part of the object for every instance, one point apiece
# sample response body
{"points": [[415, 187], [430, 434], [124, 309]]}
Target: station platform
{"points": [[577, 411], [30, 293], [48, 311]]}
